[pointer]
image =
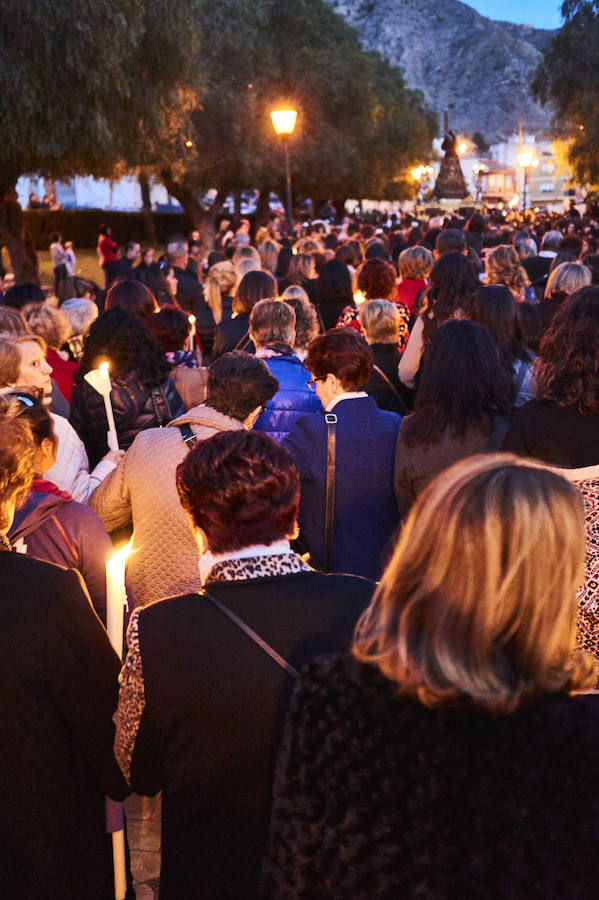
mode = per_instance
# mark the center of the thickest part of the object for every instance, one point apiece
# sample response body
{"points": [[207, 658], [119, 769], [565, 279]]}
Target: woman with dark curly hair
{"points": [[208, 675], [453, 282], [377, 280], [561, 427], [143, 395]]}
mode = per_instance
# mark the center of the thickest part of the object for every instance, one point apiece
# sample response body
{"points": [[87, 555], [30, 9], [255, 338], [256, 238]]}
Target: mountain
{"points": [[478, 69]]}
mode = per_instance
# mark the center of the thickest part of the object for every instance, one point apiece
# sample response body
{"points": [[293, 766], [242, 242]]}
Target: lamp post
{"points": [[283, 122], [526, 159]]}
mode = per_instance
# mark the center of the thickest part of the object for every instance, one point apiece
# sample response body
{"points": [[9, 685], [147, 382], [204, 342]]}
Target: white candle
{"points": [[192, 333], [99, 379], [116, 601], [116, 597]]}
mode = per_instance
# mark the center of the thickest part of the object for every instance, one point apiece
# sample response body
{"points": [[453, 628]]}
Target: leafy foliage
{"points": [[569, 78]]}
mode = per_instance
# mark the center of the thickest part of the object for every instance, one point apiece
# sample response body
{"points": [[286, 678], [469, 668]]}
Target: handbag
{"points": [[254, 636]]}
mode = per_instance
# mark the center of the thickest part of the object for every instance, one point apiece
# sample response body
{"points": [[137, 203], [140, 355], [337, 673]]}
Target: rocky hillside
{"points": [[477, 69]]}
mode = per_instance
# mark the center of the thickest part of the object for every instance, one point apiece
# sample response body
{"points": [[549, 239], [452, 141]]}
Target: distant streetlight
{"points": [[283, 122], [526, 159], [462, 148]]}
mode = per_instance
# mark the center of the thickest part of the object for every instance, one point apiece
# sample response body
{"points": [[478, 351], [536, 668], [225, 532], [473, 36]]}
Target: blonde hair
{"points": [[222, 279], [310, 245], [269, 255], [10, 362], [247, 252], [301, 268], [17, 453], [21, 337], [11, 319], [503, 267], [479, 599], [50, 324], [567, 278], [381, 321], [415, 262]]}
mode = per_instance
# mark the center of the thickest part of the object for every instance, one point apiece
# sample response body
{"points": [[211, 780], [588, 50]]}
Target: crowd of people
{"points": [[358, 465]]}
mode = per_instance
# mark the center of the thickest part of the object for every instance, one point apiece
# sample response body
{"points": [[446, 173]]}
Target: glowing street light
{"points": [[462, 148], [283, 122]]}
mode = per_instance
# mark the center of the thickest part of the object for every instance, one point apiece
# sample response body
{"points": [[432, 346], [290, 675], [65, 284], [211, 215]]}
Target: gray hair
{"points": [[272, 322], [551, 240], [176, 247], [80, 313]]}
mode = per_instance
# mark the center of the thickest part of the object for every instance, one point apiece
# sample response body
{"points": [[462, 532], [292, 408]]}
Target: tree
{"points": [[569, 78], [84, 84], [358, 126]]}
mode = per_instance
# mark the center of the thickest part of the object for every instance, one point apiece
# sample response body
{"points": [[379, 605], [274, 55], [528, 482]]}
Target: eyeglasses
{"points": [[262, 410], [314, 380]]}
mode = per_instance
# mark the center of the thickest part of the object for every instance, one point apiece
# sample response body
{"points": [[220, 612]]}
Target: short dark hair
{"points": [[239, 382], [240, 488], [342, 352], [450, 241], [19, 295], [334, 282], [132, 295], [170, 326]]}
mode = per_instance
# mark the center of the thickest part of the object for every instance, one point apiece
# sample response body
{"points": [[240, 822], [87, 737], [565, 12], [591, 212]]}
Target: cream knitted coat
{"points": [[142, 489]]}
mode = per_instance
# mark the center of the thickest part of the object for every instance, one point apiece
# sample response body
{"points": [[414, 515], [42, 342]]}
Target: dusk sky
{"points": [[540, 13]]}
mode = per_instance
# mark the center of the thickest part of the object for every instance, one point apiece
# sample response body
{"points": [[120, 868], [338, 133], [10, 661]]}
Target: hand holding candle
{"points": [[99, 379], [192, 333]]}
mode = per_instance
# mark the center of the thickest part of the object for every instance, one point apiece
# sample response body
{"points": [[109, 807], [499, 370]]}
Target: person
{"points": [[414, 264], [171, 328], [54, 327], [334, 292], [108, 254], [463, 407], [365, 512], [188, 292], [142, 489], [306, 320], [23, 365], [58, 693], [219, 288], [80, 313], [494, 307], [143, 394], [201, 704], [134, 296], [50, 525], [59, 258], [381, 325], [71, 267], [301, 271], [453, 283], [449, 755], [503, 267], [123, 268], [537, 267], [269, 254], [560, 427], [272, 330], [19, 295], [234, 333], [563, 281], [377, 281]]}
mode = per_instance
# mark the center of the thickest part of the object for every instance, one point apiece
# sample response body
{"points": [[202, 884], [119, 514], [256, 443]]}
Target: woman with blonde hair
{"points": [[449, 757], [503, 267], [301, 271], [269, 255], [219, 288], [306, 319], [414, 265]]}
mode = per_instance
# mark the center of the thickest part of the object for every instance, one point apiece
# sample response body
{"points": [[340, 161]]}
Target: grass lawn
{"points": [[87, 266]]}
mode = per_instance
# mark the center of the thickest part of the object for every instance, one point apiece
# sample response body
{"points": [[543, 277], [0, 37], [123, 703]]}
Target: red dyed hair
{"points": [[377, 279], [342, 352], [240, 488]]}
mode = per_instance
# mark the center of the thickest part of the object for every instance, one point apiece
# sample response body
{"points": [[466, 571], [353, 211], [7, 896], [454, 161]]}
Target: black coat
{"points": [[386, 357], [58, 691], [215, 705], [135, 409], [233, 334]]}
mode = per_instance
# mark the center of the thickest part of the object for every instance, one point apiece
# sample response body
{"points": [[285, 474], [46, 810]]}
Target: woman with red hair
{"points": [[208, 675], [377, 281]]}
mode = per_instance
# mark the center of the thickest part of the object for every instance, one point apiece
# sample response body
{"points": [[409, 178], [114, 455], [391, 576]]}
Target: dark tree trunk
{"points": [[262, 208], [201, 219], [15, 237], [150, 237], [237, 204]]}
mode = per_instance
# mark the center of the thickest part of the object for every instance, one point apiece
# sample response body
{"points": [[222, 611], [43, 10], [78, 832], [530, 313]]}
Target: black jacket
{"points": [[233, 334], [386, 358], [58, 691], [135, 408], [215, 704]]}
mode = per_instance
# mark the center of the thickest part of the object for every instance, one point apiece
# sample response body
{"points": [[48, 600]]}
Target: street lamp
{"points": [[526, 159], [283, 122]]}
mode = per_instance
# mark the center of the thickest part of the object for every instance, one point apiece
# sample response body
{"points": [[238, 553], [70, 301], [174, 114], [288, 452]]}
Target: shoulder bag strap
{"points": [[498, 432], [189, 438], [520, 377], [331, 420], [389, 382], [252, 635], [243, 340]]}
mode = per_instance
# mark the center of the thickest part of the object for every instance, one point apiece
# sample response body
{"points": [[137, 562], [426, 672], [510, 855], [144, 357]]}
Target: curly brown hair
{"points": [[17, 452], [503, 267], [567, 370]]}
